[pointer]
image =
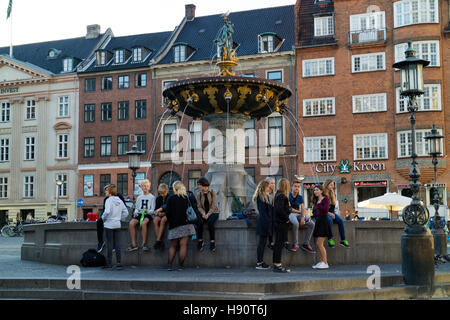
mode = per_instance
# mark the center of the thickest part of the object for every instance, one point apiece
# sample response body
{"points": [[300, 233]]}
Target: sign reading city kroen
{"points": [[345, 166], [9, 90]]}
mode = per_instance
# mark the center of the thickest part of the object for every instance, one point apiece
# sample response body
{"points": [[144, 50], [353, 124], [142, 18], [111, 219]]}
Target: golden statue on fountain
{"points": [[227, 59]]}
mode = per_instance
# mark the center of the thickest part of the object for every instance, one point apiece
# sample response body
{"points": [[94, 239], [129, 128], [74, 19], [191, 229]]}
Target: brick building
{"points": [[348, 95]]}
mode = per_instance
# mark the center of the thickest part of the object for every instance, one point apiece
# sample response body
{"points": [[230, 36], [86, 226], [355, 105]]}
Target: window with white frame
{"points": [[250, 133], [63, 106], [323, 26], [276, 75], [119, 56], [427, 50], [179, 53], [368, 62], [30, 111], [370, 146], [408, 12], [137, 54], [124, 82], [266, 43], [63, 188], [3, 187], [28, 186], [319, 149], [275, 130], [63, 146], [67, 64], [169, 137], [369, 103], [195, 130], [6, 112], [318, 67], [101, 58], [318, 107], [429, 101], [30, 148], [365, 27], [4, 149], [404, 143]]}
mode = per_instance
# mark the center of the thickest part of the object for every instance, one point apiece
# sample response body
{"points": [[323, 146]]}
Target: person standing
{"points": [[209, 211], [271, 182], [179, 228], [322, 230], [333, 216], [281, 212], [264, 226]]}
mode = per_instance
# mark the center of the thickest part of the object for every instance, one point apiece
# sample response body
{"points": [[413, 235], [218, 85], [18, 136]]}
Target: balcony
{"points": [[368, 36]]}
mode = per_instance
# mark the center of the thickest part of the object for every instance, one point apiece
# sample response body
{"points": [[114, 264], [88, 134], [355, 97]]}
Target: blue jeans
{"points": [[340, 224]]}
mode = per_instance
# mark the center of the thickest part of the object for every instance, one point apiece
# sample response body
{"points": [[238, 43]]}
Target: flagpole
{"points": [[10, 37]]}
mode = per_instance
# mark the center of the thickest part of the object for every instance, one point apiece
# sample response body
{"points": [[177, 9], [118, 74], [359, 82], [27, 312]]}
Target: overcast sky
{"points": [[44, 20]]}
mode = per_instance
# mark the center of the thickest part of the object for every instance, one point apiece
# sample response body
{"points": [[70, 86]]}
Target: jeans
{"points": [[112, 241], [295, 220], [340, 224], [210, 222], [281, 231]]}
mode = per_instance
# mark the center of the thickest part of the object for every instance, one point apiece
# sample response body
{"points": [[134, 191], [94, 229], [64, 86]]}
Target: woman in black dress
{"points": [[322, 230], [264, 225], [281, 213]]}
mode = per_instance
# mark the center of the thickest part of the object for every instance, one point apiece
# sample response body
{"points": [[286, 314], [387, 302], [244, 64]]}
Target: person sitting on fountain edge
{"points": [[207, 206]]}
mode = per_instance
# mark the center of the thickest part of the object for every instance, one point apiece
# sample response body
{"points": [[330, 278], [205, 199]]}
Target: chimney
{"points": [[93, 31], [190, 12]]}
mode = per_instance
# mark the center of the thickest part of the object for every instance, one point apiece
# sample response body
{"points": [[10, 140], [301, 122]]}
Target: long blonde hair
{"points": [[329, 193], [261, 191], [284, 187], [179, 189]]}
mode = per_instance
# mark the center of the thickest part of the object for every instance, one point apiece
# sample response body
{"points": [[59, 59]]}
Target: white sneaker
{"points": [[322, 265], [316, 265]]}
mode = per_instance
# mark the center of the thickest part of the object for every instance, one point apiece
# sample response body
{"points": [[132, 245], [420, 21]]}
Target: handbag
{"points": [[190, 213]]}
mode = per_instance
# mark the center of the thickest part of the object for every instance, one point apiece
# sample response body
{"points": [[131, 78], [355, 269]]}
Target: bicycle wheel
{"points": [[7, 231]]}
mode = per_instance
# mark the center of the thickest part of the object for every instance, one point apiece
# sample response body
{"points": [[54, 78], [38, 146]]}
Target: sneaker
{"points": [[344, 243], [100, 246], [170, 268], [119, 267], [287, 247], [132, 248], [262, 266], [270, 246], [145, 248], [107, 266], [331, 243], [295, 248], [200, 246], [322, 265], [315, 266], [180, 267], [280, 269], [212, 246], [307, 248]]}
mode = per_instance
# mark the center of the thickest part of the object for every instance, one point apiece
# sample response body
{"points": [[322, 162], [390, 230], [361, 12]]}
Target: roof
{"points": [[201, 31], [37, 53]]}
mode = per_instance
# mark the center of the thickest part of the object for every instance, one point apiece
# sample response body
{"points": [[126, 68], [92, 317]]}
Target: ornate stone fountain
{"points": [[226, 102]]}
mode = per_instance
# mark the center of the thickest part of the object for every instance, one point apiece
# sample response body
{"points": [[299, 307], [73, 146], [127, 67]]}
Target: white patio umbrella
{"points": [[389, 201]]}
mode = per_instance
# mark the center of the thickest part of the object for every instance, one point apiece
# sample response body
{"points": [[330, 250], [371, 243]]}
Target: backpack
{"points": [[92, 258]]}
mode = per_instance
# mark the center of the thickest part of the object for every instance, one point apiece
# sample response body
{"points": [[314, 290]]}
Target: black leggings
{"points": [[210, 222], [281, 232], [100, 230]]}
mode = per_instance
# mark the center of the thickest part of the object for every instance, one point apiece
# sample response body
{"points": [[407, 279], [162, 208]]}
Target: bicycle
{"points": [[10, 230]]}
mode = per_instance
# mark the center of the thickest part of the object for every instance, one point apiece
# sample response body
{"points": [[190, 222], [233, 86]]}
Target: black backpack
{"points": [[92, 258]]}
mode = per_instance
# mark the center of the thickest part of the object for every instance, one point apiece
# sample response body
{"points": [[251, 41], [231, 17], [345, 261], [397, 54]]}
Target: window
{"points": [[195, 129], [105, 146], [63, 106], [122, 184], [318, 67], [4, 149], [101, 58], [367, 27], [119, 56], [140, 80], [266, 43], [63, 188], [137, 54], [404, 143], [123, 110], [6, 112], [251, 172], [369, 103], [30, 148], [68, 64], [429, 101], [141, 142], [250, 133], [193, 176], [368, 62], [30, 113], [89, 113], [89, 147], [427, 50], [3, 187], [89, 85], [124, 82], [141, 109], [106, 111], [318, 107], [28, 187], [105, 179], [107, 83], [319, 149], [275, 125], [408, 12], [63, 148], [179, 53], [165, 84], [122, 145], [169, 138], [323, 26], [370, 146], [275, 75], [248, 75]]}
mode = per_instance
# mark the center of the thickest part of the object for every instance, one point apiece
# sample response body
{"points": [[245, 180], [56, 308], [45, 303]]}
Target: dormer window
{"points": [[119, 56], [67, 64], [137, 54], [179, 52], [103, 57], [268, 42], [53, 53], [323, 26]]}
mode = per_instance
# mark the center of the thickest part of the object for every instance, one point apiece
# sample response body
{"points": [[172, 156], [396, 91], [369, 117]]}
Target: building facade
{"points": [[356, 126]]}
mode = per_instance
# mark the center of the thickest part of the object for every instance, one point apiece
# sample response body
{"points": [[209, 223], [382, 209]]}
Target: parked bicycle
{"points": [[11, 230]]}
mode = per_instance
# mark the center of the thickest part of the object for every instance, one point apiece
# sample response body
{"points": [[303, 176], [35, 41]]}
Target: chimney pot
{"points": [[190, 12], [92, 31]]}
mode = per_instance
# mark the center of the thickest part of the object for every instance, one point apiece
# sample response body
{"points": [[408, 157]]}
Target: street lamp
{"points": [[417, 241], [58, 189], [440, 238], [134, 162]]}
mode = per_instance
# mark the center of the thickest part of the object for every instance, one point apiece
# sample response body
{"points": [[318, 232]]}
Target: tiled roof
{"points": [[201, 31]]}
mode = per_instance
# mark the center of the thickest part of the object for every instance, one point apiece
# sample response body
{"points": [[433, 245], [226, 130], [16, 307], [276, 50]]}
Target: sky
{"points": [[45, 20]]}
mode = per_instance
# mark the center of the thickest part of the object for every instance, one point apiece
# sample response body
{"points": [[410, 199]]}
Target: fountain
{"points": [[226, 101]]}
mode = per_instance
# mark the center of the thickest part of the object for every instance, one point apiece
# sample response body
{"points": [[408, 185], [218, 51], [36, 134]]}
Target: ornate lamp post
{"points": [[440, 238], [417, 241], [134, 162]]}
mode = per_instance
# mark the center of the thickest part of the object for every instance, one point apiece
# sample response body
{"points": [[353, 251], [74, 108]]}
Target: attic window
{"points": [[119, 56], [53, 53], [101, 58], [179, 52], [137, 54], [268, 42], [67, 64]]}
